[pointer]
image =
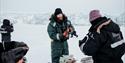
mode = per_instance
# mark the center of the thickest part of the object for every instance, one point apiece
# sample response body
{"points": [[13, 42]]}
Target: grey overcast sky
{"points": [[114, 7]]}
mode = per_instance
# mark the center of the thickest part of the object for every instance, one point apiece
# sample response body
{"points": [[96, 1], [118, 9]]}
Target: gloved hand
{"points": [[66, 34], [2, 29], [63, 37], [82, 41], [74, 34]]}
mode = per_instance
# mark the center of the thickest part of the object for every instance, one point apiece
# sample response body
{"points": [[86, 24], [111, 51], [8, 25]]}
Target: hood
{"points": [[6, 22], [111, 27]]}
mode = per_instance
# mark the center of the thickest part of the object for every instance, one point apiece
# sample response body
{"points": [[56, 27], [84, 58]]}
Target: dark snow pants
{"points": [[57, 50], [6, 38]]}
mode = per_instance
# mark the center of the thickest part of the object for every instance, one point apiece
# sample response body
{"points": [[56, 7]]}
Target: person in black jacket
{"points": [[12, 52], [6, 30], [104, 42]]}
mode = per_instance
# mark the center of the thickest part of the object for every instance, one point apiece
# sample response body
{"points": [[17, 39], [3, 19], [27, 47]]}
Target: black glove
{"points": [[74, 34], [82, 41]]}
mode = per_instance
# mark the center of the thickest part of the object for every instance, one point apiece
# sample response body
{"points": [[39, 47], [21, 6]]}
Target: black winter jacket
{"points": [[106, 47], [12, 52], [8, 29]]}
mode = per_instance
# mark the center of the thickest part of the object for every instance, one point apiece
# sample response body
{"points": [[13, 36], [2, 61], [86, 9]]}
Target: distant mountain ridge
{"points": [[43, 18]]}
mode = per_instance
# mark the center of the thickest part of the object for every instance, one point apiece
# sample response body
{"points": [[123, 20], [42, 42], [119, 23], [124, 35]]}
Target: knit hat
{"points": [[6, 22], [94, 14], [58, 11]]}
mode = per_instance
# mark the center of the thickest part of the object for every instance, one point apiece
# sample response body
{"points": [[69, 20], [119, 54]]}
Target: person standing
{"points": [[59, 29], [104, 42], [6, 30]]}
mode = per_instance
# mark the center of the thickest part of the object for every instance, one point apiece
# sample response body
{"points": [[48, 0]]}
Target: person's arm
{"points": [[70, 25], [52, 32], [103, 24], [2, 30], [72, 29], [90, 44]]}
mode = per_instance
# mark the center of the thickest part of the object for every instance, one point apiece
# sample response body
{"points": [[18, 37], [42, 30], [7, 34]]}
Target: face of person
{"points": [[60, 17], [21, 61]]}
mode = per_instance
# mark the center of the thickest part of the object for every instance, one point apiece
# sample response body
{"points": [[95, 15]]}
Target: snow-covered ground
{"points": [[39, 42]]}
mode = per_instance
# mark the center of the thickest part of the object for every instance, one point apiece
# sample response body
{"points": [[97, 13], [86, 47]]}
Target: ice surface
{"points": [[39, 42]]}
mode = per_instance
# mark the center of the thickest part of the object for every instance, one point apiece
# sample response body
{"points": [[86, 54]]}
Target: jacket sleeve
{"points": [[90, 44], [2, 30], [52, 32], [70, 25]]}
